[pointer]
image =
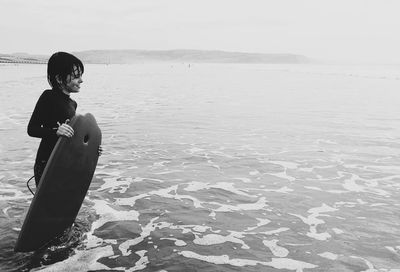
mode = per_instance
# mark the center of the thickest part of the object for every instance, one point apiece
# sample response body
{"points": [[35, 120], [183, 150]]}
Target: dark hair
{"points": [[62, 64]]}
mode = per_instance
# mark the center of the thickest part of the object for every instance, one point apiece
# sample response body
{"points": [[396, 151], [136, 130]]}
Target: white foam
{"points": [[222, 259], [83, 260], [278, 263], [261, 222], [216, 166], [329, 255], [17, 194], [272, 232], [5, 211], [107, 214], [116, 184], [378, 204], [286, 164], [196, 186], [352, 185], [260, 204], [336, 191], [283, 190], [214, 239], [254, 173], [129, 201], [278, 251], [368, 263], [177, 242], [146, 230], [187, 228], [283, 175], [153, 179], [313, 221], [291, 244], [159, 164], [385, 168], [313, 188], [227, 186], [361, 201], [395, 250], [345, 203], [108, 172], [139, 265], [307, 169], [337, 231], [166, 192], [323, 141], [245, 180], [200, 228], [115, 163], [323, 209], [194, 150], [168, 172]]}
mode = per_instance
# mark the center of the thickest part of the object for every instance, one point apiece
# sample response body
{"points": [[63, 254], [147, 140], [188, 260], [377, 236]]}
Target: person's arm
{"points": [[35, 126]]}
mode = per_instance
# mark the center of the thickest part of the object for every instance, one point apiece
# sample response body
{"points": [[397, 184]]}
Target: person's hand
{"points": [[100, 150], [65, 129]]}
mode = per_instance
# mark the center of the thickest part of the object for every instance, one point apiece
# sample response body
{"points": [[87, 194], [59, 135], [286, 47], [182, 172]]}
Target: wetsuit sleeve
{"points": [[36, 126]]}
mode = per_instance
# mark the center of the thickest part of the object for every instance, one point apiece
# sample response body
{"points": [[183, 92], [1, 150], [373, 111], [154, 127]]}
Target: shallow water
{"points": [[219, 168]]}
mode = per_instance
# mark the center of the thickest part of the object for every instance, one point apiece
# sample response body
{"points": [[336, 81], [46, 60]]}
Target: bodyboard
{"points": [[63, 185]]}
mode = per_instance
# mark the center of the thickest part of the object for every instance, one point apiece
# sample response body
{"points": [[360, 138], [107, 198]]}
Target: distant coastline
{"points": [[23, 58], [144, 56]]}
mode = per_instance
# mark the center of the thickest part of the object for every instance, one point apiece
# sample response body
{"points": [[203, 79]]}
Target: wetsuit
{"points": [[53, 106]]}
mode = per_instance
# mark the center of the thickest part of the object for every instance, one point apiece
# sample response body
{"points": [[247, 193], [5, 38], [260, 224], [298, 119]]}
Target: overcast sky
{"points": [[353, 30]]}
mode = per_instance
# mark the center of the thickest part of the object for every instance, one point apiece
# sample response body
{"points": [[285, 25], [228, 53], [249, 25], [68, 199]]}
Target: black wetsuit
{"points": [[53, 106]]}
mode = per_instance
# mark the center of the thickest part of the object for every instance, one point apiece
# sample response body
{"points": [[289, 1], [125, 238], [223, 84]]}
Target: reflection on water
{"points": [[220, 168]]}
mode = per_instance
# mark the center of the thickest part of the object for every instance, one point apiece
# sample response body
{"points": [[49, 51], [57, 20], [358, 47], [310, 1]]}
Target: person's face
{"points": [[74, 81]]}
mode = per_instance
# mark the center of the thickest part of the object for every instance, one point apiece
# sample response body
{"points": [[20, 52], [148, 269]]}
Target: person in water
{"points": [[55, 108]]}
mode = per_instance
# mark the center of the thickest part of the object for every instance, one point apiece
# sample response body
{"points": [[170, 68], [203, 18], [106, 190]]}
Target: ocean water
{"points": [[219, 167]]}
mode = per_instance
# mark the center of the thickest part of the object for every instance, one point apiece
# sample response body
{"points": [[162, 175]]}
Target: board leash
{"points": [[27, 184]]}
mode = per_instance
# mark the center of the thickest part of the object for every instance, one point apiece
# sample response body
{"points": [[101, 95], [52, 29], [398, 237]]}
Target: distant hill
{"points": [[141, 56], [196, 56], [23, 58]]}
